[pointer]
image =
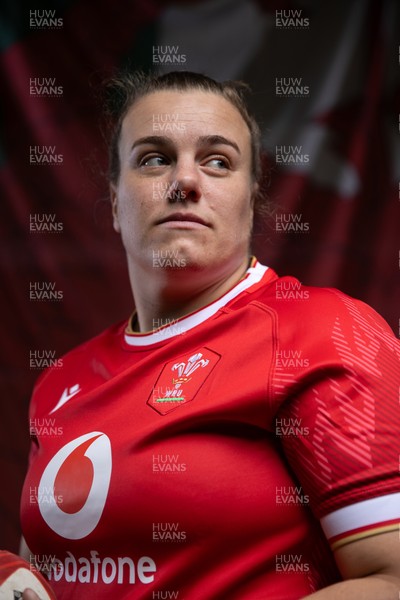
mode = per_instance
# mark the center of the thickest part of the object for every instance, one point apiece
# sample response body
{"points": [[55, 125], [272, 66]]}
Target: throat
{"points": [[166, 305]]}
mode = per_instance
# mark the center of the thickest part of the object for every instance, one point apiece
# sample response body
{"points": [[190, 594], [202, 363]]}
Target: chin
{"points": [[179, 257]]}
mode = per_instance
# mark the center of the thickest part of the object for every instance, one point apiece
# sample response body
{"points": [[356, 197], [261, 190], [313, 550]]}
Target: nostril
{"points": [[177, 195], [192, 195]]}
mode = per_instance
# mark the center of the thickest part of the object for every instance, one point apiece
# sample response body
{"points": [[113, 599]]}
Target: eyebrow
{"points": [[215, 140], [211, 140], [156, 140]]}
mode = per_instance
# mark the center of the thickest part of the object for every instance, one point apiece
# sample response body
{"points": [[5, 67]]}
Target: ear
{"points": [[114, 207], [254, 191]]}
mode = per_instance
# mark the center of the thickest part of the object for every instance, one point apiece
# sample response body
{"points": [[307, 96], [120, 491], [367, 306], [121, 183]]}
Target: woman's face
{"points": [[184, 195]]}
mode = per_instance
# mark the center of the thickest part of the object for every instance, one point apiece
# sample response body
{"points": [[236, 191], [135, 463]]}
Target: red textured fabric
{"points": [[170, 449]]}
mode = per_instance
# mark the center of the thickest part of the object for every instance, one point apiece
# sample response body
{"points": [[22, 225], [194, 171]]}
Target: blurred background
{"points": [[325, 77]]}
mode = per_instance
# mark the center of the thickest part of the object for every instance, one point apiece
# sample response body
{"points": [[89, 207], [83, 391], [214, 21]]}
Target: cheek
{"points": [[230, 197], [235, 223], [129, 220], [129, 202], [244, 214], [239, 209]]}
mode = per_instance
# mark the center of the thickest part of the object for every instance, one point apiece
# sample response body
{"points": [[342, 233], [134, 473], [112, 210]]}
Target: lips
{"points": [[182, 218]]}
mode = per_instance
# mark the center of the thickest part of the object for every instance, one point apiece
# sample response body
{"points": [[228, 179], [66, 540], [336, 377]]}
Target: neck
{"points": [[166, 295]]}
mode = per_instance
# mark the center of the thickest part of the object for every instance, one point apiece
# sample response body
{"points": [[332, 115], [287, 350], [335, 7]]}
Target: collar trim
{"points": [[253, 275]]}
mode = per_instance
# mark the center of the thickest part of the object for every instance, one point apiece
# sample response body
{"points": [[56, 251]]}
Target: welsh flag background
{"points": [[325, 77]]}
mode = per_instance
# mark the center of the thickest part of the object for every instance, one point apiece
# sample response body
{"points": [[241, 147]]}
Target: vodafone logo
{"points": [[74, 486]]}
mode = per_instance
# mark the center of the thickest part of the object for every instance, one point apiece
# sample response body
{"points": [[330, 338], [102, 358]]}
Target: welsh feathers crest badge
{"points": [[181, 379]]}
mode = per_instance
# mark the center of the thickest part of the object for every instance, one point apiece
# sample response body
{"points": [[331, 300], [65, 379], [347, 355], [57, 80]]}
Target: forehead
{"points": [[188, 113]]}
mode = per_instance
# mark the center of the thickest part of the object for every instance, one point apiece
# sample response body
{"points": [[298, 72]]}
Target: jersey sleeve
{"points": [[339, 417]]}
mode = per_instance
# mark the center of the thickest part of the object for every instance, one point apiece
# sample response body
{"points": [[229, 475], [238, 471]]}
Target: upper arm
{"points": [[344, 408], [341, 406], [374, 555]]}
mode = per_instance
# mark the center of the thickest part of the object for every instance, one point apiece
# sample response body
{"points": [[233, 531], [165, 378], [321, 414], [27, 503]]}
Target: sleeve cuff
{"points": [[362, 519]]}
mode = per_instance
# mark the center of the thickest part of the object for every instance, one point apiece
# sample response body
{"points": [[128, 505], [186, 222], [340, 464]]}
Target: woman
{"points": [[238, 437]]}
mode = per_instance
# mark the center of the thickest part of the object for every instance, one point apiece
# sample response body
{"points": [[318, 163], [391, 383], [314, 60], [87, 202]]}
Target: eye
{"points": [[156, 160], [218, 162]]}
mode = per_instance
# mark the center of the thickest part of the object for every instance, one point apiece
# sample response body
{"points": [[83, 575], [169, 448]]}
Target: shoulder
{"points": [[88, 364], [323, 329], [107, 340], [318, 311]]}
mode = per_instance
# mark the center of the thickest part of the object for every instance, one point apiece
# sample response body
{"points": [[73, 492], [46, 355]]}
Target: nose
{"points": [[185, 184]]}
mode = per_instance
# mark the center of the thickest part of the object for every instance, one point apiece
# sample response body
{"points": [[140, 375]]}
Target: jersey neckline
{"points": [[253, 275]]}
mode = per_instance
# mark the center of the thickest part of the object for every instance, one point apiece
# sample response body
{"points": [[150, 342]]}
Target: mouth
{"points": [[183, 221]]}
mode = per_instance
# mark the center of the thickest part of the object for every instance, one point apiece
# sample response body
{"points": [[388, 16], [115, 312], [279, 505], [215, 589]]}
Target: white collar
{"points": [[254, 274]]}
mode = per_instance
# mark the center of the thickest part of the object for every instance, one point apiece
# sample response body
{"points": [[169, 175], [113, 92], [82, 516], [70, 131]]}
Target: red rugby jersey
{"points": [[218, 456]]}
